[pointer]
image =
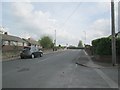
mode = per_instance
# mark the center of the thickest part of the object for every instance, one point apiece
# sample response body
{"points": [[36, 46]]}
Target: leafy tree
{"points": [[46, 42], [80, 44]]}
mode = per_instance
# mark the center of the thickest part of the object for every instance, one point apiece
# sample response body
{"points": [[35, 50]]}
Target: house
{"points": [[31, 42], [11, 45], [8, 40], [118, 34]]}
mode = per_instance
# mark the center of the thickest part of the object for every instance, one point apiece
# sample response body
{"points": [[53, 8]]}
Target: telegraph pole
{"points": [[55, 38], [113, 34], [54, 49]]}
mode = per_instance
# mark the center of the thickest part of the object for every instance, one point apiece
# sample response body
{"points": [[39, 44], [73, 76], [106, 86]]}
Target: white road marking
{"points": [[110, 82], [85, 52]]}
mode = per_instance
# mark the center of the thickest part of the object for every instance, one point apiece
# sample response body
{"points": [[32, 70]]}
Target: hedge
{"points": [[94, 45], [103, 46], [118, 46]]}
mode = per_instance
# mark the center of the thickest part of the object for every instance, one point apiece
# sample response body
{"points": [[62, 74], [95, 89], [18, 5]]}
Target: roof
{"points": [[32, 41], [116, 35], [11, 38], [119, 34]]}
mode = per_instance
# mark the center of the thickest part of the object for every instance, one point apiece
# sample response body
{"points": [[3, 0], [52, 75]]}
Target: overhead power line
{"points": [[73, 12]]}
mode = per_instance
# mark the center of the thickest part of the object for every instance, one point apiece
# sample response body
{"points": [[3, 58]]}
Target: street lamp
{"points": [[85, 37]]}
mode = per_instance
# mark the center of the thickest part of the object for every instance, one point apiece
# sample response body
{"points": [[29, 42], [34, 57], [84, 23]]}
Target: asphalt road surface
{"points": [[56, 70]]}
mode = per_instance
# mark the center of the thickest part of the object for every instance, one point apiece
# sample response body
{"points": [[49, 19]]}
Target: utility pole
{"points": [[54, 49], [55, 38], [113, 34]]}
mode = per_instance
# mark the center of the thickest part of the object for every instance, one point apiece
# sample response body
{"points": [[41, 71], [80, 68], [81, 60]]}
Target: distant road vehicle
{"points": [[31, 52]]}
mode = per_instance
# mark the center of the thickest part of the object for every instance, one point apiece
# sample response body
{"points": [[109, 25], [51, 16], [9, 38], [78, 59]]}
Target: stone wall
{"points": [[11, 51]]}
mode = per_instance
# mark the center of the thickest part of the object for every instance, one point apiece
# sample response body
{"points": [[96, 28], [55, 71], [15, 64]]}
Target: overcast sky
{"points": [[73, 21]]}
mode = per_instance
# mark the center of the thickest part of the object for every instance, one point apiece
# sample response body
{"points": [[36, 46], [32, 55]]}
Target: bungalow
{"points": [[118, 34], [11, 45], [31, 42], [12, 41]]}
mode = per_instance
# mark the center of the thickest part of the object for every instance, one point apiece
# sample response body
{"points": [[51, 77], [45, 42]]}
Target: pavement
{"points": [[85, 60], [58, 70], [101, 68]]}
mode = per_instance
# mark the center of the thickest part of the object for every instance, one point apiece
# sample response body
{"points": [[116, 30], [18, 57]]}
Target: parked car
{"points": [[31, 52]]}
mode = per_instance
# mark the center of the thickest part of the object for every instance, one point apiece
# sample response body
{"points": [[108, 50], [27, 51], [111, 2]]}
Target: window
{"points": [[25, 44], [5, 42], [13, 43], [20, 44]]}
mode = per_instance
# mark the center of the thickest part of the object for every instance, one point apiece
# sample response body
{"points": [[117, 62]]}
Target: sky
{"points": [[73, 21]]}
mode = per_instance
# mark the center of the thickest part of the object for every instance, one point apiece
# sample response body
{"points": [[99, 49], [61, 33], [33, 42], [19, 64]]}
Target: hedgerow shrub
{"points": [[103, 46]]}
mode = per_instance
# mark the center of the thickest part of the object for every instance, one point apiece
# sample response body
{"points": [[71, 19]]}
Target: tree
{"points": [[46, 42], [80, 44]]}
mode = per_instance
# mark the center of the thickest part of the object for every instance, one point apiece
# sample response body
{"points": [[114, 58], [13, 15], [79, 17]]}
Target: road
{"points": [[56, 70]]}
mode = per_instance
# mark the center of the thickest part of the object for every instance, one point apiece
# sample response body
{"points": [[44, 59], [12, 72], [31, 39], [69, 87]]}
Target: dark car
{"points": [[31, 52]]}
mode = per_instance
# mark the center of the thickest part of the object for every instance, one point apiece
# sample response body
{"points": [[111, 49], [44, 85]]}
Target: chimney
{"points": [[6, 33]]}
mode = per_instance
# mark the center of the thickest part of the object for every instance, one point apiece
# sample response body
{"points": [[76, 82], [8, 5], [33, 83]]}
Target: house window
{"points": [[13, 43], [20, 44], [25, 44], [5, 42]]}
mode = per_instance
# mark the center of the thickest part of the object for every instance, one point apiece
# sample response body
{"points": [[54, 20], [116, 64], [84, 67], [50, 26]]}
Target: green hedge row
{"points": [[103, 46], [118, 46]]}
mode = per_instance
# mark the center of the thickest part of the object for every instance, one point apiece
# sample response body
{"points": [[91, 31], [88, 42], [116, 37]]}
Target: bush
{"points": [[118, 46], [103, 46], [94, 45]]}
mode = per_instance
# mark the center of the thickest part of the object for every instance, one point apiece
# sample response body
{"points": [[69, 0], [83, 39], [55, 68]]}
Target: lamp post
{"points": [[113, 34], [85, 37]]}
